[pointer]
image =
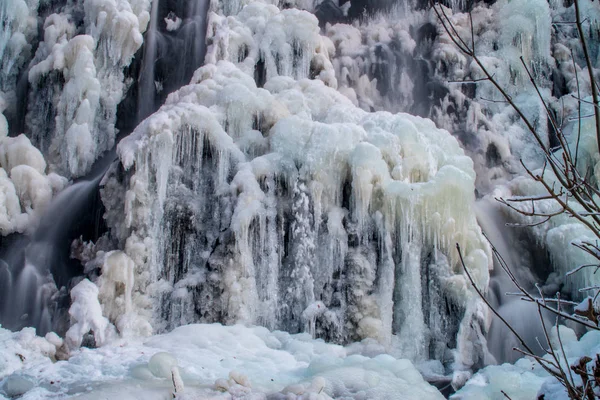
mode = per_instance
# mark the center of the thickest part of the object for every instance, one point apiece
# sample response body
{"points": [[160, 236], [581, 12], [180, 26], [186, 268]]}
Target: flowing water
{"points": [[520, 258], [174, 48], [36, 266]]}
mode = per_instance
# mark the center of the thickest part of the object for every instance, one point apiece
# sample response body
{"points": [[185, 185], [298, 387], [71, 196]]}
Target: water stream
{"points": [[38, 266], [174, 47], [521, 259]]}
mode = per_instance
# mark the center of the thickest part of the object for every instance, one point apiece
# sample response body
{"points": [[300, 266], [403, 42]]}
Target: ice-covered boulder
{"points": [[86, 316]]}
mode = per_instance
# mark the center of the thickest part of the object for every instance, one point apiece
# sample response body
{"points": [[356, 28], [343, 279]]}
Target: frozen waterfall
{"points": [[282, 173]]}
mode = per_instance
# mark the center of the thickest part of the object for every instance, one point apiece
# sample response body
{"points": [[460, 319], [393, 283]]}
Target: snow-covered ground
{"points": [[212, 361]]}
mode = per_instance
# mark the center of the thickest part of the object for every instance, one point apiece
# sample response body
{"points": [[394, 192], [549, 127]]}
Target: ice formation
{"points": [[26, 188], [238, 199], [86, 316], [267, 42], [19, 27], [405, 61]]}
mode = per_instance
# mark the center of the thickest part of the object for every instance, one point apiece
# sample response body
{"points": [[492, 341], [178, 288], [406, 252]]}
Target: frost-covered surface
{"points": [[212, 362], [526, 379]]}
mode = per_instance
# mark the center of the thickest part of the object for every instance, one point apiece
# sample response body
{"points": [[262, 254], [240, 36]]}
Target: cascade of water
{"points": [[36, 267], [174, 48], [146, 81], [520, 259], [193, 34]]}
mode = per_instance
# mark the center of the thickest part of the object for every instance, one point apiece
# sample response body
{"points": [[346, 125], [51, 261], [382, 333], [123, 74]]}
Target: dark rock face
{"points": [[328, 12]]}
